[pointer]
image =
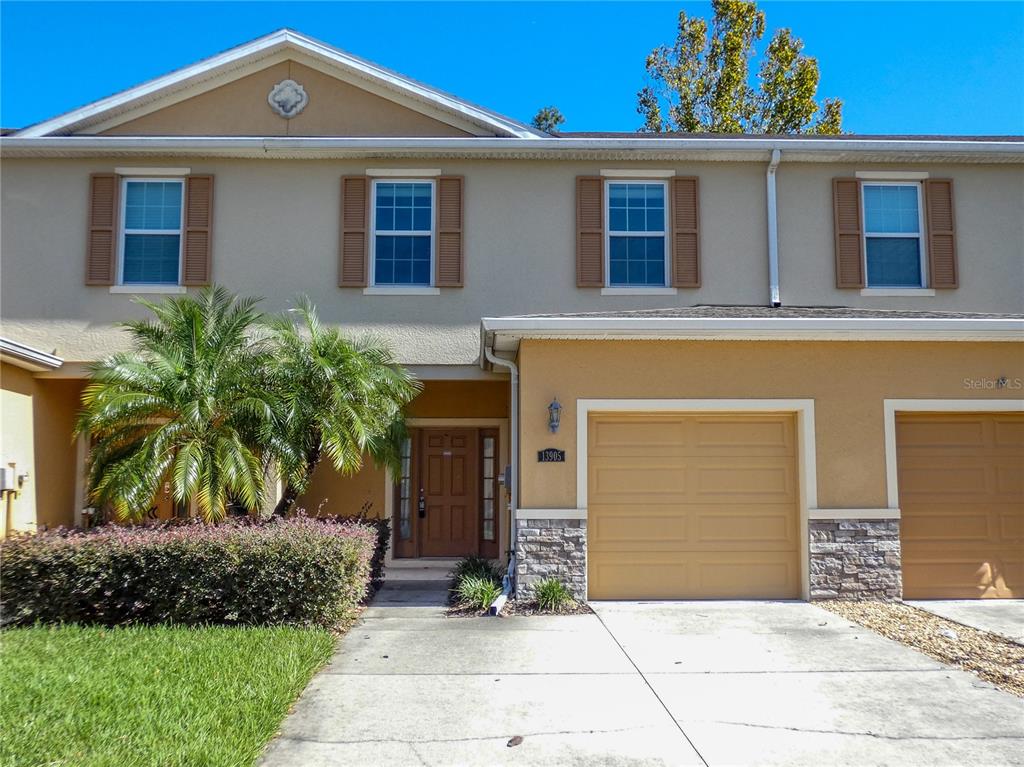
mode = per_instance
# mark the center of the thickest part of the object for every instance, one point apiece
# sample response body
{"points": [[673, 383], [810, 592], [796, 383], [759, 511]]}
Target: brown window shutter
{"points": [[942, 265], [589, 232], [198, 247], [685, 233], [450, 263], [352, 266], [101, 245], [849, 233]]}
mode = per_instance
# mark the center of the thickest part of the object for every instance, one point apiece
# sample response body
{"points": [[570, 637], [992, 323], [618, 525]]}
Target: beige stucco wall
{"points": [[276, 235], [848, 382], [989, 210], [36, 425], [17, 445], [240, 108]]}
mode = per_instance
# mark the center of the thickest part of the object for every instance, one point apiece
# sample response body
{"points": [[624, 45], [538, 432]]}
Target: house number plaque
{"points": [[551, 455]]}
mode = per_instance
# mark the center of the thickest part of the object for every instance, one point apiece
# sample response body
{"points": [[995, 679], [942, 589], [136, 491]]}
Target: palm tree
{"points": [[187, 404], [335, 396]]}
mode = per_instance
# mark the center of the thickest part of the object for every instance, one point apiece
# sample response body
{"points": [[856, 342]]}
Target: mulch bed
{"points": [[517, 607], [993, 658]]}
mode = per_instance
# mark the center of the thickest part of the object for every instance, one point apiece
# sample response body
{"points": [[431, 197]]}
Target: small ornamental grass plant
{"points": [[301, 571], [477, 592], [552, 596], [476, 583]]}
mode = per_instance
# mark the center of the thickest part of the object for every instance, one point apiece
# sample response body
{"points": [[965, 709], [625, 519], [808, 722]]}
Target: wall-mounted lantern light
{"points": [[554, 415]]}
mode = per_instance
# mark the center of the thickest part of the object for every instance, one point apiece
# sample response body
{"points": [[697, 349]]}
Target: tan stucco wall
{"points": [[276, 235], [848, 382], [36, 425], [240, 108]]}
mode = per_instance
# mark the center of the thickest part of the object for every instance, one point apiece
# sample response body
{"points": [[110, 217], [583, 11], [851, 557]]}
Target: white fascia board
{"points": [[754, 149], [790, 328], [27, 357], [264, 46]]}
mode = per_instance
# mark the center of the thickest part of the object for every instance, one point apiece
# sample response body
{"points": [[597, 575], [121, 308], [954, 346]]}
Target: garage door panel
{"points": [[772, 524], [961, 484], [618, 433], [942, 433], [745, 478], [625, 524], [944, 478], [1010, 479], [691, 506], [950, 526], [636, 478], [703, 576], [745, 434], [1009, 433]]}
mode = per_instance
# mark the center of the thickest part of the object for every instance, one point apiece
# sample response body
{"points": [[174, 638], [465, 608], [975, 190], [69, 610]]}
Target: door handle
{"points": [[422, 505]]}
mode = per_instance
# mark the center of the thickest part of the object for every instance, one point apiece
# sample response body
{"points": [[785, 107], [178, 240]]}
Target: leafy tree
{"points": [[186, 402], [548, 119], [336, 397], [702, 82]]}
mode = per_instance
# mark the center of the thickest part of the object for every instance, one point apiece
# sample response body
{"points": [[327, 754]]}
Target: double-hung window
{"points": [[403, 229], [637, 239], [151, 232], [894, 250]]}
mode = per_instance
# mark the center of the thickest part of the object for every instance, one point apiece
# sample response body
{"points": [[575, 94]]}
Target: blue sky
{"points": [[923, 67]]}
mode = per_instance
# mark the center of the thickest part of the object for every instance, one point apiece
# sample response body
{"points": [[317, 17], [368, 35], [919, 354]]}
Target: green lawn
{"points": [[149, 696]]}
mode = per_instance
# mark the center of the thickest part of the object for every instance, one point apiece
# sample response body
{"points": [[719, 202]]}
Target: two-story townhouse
{"points": [[654, 366]]}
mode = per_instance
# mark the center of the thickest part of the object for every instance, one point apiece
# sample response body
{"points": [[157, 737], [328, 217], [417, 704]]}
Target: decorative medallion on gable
{"points": [[288, 98]]}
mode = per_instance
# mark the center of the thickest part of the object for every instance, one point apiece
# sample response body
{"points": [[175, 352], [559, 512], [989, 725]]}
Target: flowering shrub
{"points": [[300, 571]]}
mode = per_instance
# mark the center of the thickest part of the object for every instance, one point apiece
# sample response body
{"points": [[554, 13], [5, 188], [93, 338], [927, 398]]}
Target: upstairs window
{"points": [[403, 228], [636, 234], [151, 244], [893, 242]]}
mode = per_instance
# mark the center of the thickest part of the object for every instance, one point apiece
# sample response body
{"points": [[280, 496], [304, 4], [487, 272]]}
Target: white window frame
{"points": [[392, 288], [920, 236], [608, 234], [124, 231]]}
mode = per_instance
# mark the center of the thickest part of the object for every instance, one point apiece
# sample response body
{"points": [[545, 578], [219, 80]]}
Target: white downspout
{"points": [[773, 231], [514, 464]]}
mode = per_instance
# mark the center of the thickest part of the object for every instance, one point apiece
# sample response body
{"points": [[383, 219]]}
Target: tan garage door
{"points": [[684, 506], [961, 481]]}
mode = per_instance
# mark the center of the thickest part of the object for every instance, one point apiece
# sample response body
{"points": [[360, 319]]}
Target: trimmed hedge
{"points": [[299, 571]]}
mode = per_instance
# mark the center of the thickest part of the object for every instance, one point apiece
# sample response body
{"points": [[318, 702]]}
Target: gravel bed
{"points": [[993, 658]]}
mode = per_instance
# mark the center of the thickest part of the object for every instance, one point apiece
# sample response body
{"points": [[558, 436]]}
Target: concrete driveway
{"points": [[715, 683], [997, 616]]}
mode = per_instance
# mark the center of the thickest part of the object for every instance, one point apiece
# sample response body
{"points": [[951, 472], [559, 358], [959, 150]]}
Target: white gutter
{"points": [[27, 357], [513, 447], [773, 232], [759, 147], [766, 328]]}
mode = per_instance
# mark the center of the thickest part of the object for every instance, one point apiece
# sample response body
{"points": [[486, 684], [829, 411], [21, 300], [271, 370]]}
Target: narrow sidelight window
{"points": [[151, 237], [403, 229], [894, 250], [489, 490], [405, 492], [637, 252]]}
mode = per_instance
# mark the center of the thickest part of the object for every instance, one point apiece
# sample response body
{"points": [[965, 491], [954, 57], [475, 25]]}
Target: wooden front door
{"points": [[449, 494]]}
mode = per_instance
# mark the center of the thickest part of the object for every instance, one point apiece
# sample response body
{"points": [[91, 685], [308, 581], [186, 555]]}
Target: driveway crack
{"points": [[651, 688]]}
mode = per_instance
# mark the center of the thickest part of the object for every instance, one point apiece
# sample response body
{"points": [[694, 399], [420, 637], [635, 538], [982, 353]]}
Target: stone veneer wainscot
{"points": [[855, 559], [551, 548]]}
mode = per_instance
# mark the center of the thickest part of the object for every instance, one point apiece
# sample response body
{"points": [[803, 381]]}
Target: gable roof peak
{"points": [[252, 52]]}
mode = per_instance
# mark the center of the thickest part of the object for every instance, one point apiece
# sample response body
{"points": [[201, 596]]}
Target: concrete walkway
{"points": [[710, 683], [998, 616]]}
